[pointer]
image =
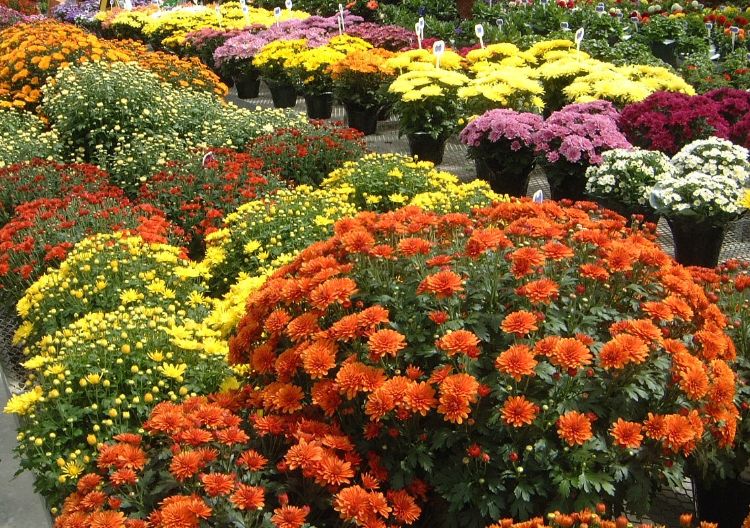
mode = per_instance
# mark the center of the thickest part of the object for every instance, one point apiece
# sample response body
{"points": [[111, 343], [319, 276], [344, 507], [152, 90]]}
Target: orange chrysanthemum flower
{"points": [[621, 350], [420, 398], [385, 342], [290, 516], [459, 342], [574, 428], [252, 460], [185, 464], [107, 519], [414, 246], [517, 361], [288, 398], [404, 507], [592, 271], [303, 326], [332, 291], [627, 434], [217, 484], [333, 471], [319, 357], [353, 378], [539, 291], [442, 284], [694, 381], [303, 454], [248, 497], [519, 323], [525, 260], [557, 251], [518, 411], [571, 354]]}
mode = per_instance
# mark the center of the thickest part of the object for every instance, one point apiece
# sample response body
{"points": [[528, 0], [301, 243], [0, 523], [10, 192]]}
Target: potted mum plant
{"points": [[571, 140], [624, 180], [702, 196], [359, 81], [500, 143], [428, 109], [271, 62], [311, 71]]}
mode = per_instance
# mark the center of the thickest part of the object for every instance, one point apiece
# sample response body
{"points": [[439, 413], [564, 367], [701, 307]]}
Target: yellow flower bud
{"points": [[91, 440]]}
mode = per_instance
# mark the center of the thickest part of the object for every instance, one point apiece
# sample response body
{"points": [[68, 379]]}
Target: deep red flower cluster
{"points": [[38, 178], [41, 232], [198, 193], [668, 121], [307, 154]]}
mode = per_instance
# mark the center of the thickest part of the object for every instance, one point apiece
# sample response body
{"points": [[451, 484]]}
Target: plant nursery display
{"points": [[215, 314]]}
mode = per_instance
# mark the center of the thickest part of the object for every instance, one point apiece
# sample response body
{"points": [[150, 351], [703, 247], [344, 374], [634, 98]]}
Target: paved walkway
{"points": [[20, 507]]}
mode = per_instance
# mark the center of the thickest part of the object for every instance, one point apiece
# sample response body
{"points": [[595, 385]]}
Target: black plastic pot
{"points": [[248, 86], [363, 119], [426, 148], [697, 243], [319, 106], [724, 501], [504, 179], [284, 95]]}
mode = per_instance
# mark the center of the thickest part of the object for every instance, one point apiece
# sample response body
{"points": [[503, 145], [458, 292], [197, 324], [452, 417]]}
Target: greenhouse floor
{"points": [[20, 507]]}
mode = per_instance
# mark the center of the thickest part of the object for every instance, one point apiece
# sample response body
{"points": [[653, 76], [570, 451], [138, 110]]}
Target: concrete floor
{"points": [[20, 507]]}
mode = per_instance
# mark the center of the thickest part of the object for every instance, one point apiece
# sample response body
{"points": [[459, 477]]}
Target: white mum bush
{"points": [[710, 177], [628, 176]]}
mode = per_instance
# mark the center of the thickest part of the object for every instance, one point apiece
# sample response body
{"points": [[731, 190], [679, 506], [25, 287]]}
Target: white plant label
{"points": [[128, 5], [340, 19], [579, 37], [288, 4], [479, 32], [709, 27], [419, 34], [421, 26], [538, 197], [734, 30], [600, 8], [277, 14], [564, 26], [208, 157], [341, 9], [438, 48], [500, 23]]}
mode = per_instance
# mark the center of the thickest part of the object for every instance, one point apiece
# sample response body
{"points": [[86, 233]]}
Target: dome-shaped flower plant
{"points": [[522, 358]]}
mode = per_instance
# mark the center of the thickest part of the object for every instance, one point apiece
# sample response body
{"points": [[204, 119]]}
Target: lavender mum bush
{"points": [[502, 136], [574, 138], [73, 12], [9, 16], [392, 38]]}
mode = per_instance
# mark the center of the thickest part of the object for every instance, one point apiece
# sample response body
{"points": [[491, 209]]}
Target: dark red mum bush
{"points": [[307, 154], [196, 194], [42, 232], [39, 178], [668, 121]]}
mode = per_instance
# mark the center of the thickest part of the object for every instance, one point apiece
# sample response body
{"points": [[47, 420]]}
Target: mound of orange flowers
{"points": [[499, 359], [31, 52]]}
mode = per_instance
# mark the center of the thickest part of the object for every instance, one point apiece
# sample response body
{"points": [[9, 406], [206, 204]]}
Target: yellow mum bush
{"points": [[499, 86], [263, 235], [422, 59], [383, 182], [459, 197]]}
